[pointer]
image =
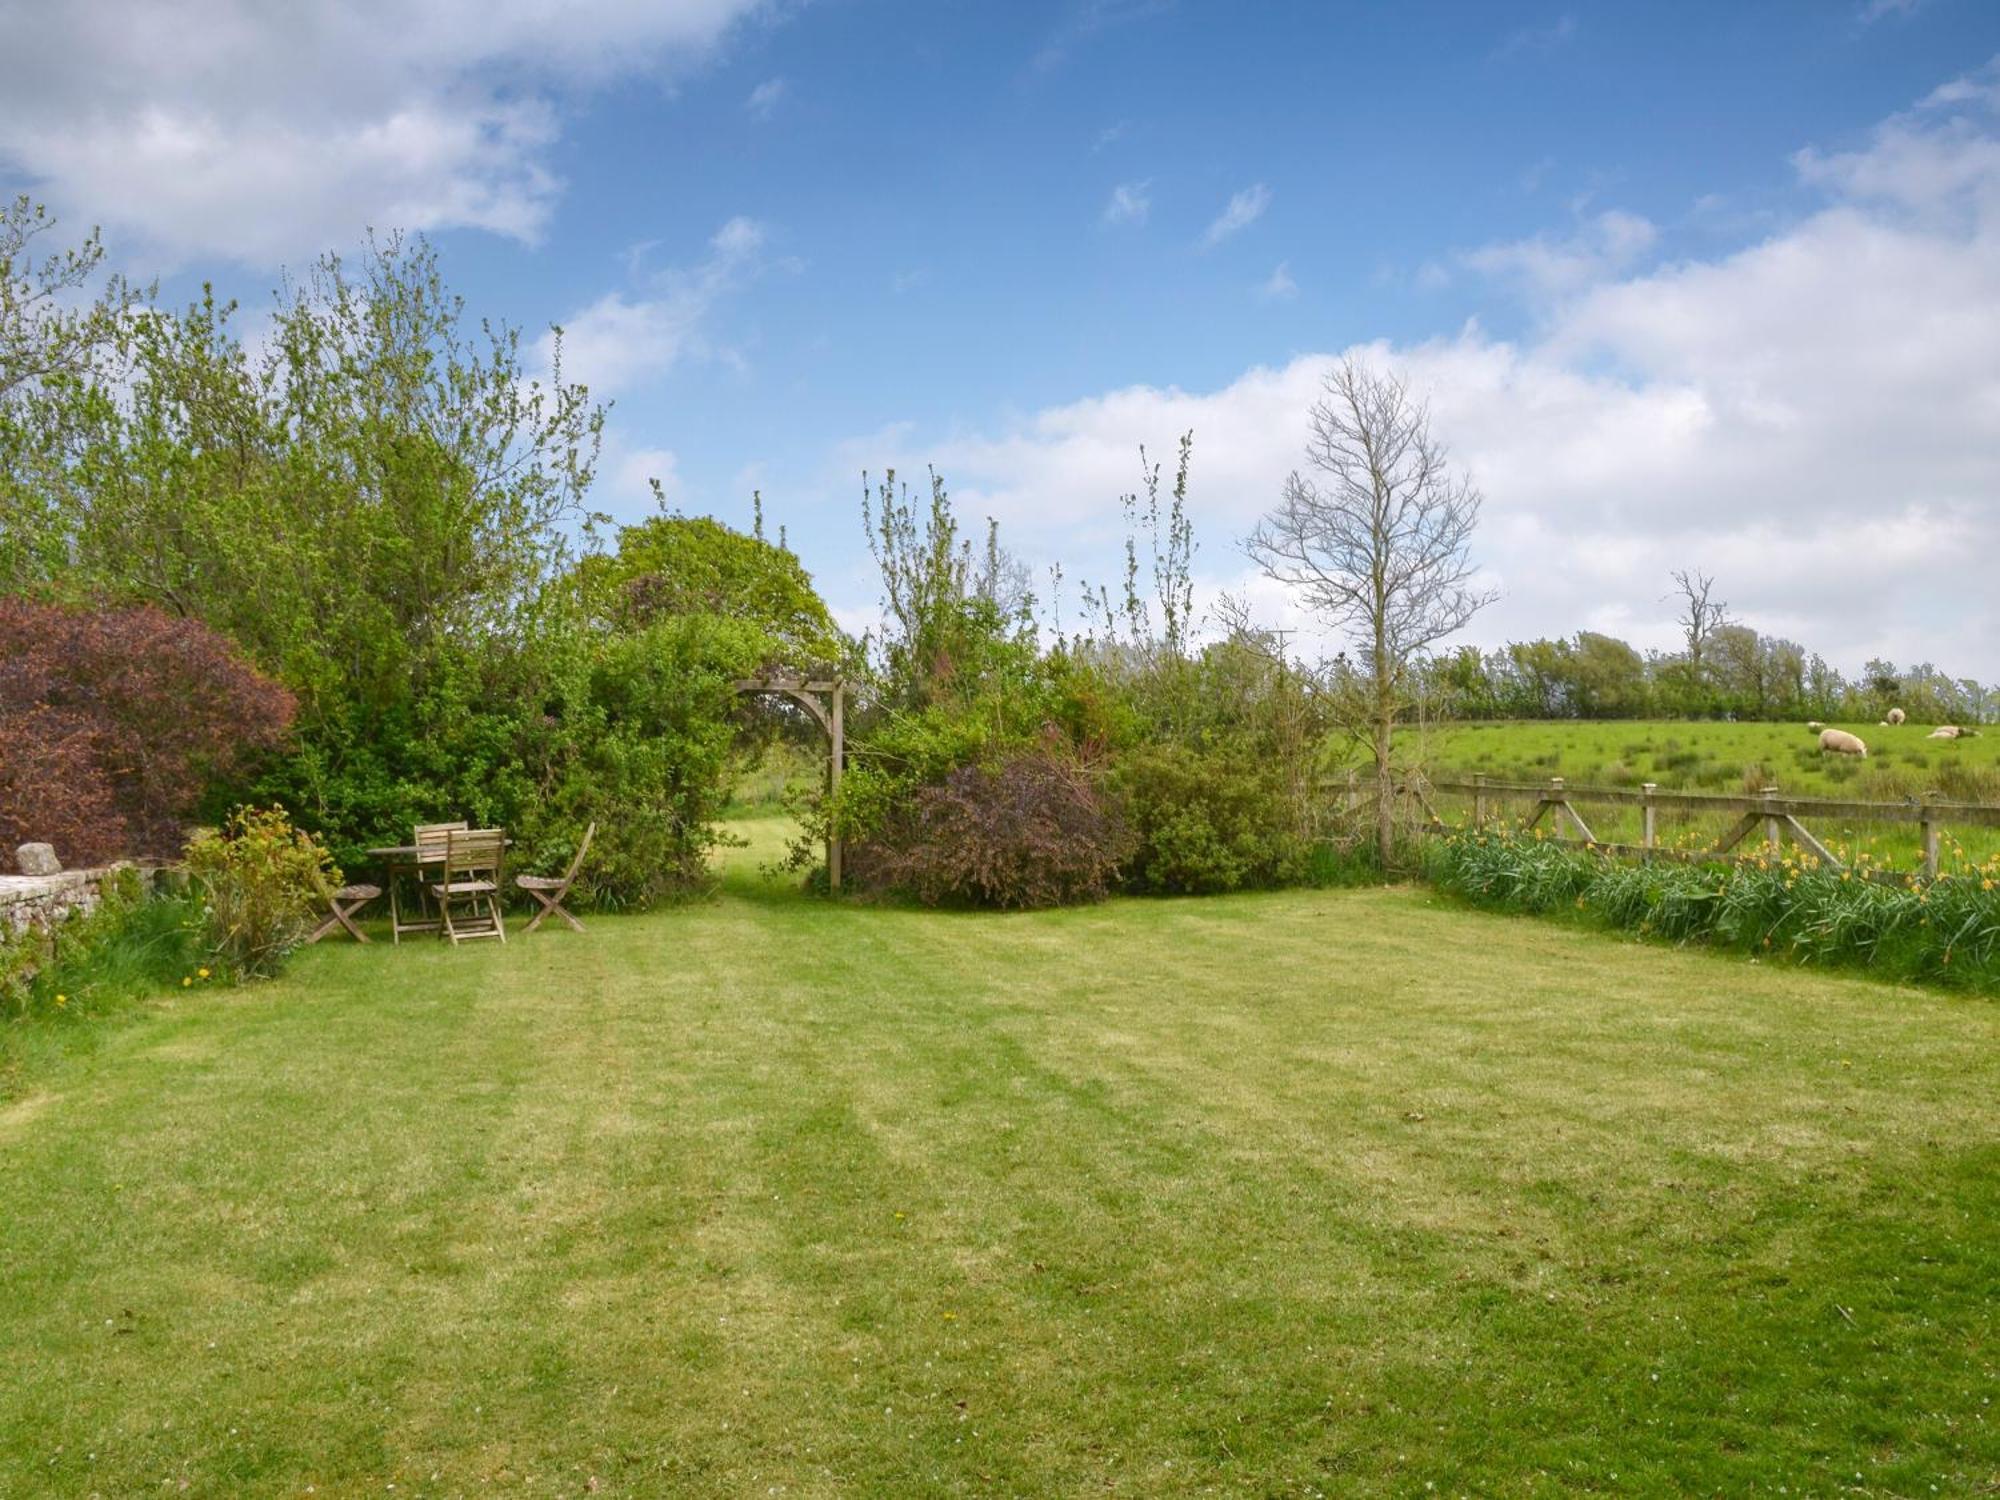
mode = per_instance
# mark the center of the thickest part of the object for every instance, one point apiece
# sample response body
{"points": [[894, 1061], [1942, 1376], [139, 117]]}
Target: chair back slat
{"points": [[581, 850], [431, 839], [474, 851]]}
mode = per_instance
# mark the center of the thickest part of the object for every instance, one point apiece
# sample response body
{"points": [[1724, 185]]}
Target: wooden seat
{"points": [[468, 897], [341, 907], [550, 889]]}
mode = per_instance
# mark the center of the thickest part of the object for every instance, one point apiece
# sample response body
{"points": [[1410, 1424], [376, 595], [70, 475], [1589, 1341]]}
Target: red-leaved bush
{"points": [[114, 721], [1032, 831]]}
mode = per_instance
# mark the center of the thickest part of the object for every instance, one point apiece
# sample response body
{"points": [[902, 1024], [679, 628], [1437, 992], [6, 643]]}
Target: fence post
{"points": [[1648, 815], [1930, 828], [1770, 795], [1478, 801]]}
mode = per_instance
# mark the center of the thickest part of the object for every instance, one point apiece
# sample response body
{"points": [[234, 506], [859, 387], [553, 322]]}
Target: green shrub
{"points": [[1206, 821], [1790, 907], [261, 883]]}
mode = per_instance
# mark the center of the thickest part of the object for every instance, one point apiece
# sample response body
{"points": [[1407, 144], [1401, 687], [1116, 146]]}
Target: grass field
{"points": [[1702, 756], [1346, 1193]]}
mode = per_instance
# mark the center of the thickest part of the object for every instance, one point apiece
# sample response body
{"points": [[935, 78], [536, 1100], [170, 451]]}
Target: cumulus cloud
{"points": [[624, 339], [1813, 417], [1130, 203], [1242, 210], [261, 133], [1553, 266]]}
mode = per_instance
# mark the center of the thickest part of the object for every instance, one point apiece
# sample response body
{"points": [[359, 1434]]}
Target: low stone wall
{"points": [[44, 900]]}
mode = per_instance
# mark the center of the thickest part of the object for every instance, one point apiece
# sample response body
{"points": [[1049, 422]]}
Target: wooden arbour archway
{"points": [[826, 701]]}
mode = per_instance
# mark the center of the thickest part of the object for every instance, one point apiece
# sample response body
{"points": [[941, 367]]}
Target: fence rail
{"points": [[1778, 816]]}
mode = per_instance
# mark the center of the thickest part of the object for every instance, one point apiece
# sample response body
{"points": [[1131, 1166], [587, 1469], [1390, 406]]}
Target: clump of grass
{"points": [[1792, 906], [131, 945]]}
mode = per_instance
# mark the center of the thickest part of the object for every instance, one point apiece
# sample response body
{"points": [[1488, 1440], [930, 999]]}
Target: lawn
{"points": [[1342, 1192], [1681, 755]]}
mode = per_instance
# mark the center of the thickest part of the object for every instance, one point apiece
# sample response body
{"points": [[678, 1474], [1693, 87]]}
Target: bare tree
{"points": [[1701, 616], [1375, 540]]}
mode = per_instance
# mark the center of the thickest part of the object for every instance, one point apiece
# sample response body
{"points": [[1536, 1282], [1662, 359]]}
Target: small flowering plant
{"points": [[261, 882]]}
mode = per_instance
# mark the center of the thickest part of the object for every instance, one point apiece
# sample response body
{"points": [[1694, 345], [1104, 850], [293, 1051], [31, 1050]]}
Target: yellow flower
{"points": [[201, 973], [62, 1000], [185, 981]]}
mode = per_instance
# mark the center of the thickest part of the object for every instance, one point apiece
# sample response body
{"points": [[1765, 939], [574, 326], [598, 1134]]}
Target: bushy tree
{"points": [[115, 722], [694, 565]]}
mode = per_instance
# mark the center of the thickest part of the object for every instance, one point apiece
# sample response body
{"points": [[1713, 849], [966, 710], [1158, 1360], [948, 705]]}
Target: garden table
{"points": [[408, 862]]}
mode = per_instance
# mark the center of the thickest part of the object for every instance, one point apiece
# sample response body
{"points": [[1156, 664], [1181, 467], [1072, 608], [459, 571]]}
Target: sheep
{"points": [[1895, 716], [1814, 725], [1945, 732], [1840, 742]]}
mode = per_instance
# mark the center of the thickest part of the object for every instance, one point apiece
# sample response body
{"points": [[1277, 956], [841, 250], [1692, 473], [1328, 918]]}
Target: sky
{"points": [[1708, 285]]}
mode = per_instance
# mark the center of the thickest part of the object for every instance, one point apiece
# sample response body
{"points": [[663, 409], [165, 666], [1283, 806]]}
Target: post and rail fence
{"points": [[1768, 810]]}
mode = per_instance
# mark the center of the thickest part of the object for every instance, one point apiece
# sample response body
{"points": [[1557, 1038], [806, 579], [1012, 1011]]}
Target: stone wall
{"points": [[43, 900]]}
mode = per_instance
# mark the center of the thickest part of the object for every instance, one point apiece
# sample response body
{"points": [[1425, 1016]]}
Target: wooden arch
{"points": [[826, 701]]}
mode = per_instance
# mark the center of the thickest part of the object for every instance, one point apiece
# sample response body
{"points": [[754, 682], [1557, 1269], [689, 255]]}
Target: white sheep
{"points": [[1895, 716], [1814, 725], [1840, 742], [1945, 732]]}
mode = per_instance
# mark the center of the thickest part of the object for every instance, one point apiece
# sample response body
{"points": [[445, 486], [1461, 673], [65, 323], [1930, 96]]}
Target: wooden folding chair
{"points": [[341, 905], [550, 889], [468, 897], [429, 843]]}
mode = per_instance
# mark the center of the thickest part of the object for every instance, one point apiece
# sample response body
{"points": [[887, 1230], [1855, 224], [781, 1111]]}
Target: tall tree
{"points": [[63, 327], [1376, 540]]}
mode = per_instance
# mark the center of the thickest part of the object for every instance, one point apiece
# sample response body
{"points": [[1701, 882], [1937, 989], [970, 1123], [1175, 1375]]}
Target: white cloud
{"points": [[261, 132], [765, 99], [1130, 203], [1279, 286], [1814, 417], [1554, 266], [626, 476], [622, 340], [1242, 210]]}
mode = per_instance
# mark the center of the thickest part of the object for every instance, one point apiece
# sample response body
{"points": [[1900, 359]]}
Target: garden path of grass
{"points": [[1341, 1192]]}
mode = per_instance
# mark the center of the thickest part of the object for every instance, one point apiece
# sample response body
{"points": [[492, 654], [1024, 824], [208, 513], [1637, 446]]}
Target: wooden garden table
{"points": [[406, 861]]}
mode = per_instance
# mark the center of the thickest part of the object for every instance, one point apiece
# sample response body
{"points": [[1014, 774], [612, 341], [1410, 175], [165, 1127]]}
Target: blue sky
{"points": [[791, 240]]}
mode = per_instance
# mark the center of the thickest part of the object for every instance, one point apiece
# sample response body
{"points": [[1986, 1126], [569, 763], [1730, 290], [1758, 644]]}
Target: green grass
{"points": [[1902, 764], [1316, 1192]]}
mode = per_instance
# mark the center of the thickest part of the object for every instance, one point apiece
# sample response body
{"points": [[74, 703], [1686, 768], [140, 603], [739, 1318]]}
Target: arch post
{"points": [[826, 701]]}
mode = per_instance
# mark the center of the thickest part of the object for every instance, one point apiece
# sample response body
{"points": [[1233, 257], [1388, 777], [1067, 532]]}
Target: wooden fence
{"points": [[1777, 816]]}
